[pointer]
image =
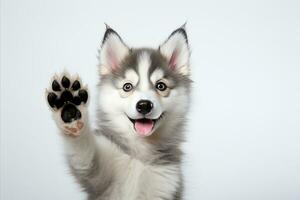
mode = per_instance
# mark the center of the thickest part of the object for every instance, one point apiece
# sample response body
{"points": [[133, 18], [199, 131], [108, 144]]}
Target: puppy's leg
{"points": [[68, 101]]}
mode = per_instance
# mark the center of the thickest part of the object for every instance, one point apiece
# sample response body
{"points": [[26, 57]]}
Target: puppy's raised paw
{"points": [[67, 99]]}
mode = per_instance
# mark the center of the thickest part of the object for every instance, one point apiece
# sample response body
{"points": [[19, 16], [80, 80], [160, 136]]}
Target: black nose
{"points": [[144, 106]]}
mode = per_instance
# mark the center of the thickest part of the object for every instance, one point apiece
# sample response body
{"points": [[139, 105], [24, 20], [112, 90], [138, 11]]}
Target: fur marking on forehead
{"points": [[144, 63]]}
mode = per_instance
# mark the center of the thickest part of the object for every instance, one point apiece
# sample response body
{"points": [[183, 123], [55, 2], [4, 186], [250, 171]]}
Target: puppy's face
{"points": [[143, 88]]}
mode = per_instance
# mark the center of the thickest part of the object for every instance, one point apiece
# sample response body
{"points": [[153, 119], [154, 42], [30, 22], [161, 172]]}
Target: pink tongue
{"points": [[143, 126]]}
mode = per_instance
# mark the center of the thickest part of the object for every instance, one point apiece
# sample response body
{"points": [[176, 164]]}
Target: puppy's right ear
{"points": [[113, 51]]}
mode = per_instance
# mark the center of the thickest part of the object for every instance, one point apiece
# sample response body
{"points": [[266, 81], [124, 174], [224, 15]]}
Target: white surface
{"points": [[244, 130]]}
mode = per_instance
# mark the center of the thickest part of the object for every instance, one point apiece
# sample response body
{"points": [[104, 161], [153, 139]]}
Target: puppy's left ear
{"points": [[176, 50]]}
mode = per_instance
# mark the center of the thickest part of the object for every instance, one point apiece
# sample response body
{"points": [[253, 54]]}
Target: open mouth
{"points": [[144, 126]]}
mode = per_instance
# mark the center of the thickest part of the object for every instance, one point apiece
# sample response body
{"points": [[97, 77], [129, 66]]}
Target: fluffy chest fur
{"points": [[136, 180]]}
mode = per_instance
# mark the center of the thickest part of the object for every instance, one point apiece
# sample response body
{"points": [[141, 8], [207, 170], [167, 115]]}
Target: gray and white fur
{"points": [[143, 99]]}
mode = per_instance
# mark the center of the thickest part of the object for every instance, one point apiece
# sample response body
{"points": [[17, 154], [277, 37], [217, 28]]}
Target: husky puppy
{"points": [[143, 100]]}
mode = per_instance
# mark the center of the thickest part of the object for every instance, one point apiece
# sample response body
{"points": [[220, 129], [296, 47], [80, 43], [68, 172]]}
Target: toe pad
{"points": [[70, 113]]}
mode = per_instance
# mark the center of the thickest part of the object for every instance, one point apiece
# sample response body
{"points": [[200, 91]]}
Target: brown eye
{"points": [[127, 87], [161, 86]]}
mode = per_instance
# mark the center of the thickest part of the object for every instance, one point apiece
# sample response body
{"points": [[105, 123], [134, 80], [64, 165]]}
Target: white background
{"points": [[243, 139]]}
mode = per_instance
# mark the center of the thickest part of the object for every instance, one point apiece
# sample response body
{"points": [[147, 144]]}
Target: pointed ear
{"points": [[113, 51], [176, 50]]}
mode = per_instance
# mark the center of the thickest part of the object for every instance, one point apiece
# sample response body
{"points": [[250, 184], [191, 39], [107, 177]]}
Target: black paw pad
{"points": [[83, 95], [76, 100], [52, 97], [55, 86], [65, 82], [66, 96], [70, 113], [76, 85], [59, 103]]}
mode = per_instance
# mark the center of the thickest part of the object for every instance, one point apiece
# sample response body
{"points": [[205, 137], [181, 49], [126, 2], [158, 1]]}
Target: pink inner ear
{"points": [[173, 59], [112, 60]]}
